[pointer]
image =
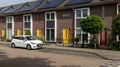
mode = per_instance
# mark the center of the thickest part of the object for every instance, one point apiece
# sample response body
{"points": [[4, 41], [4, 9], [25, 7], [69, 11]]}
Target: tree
{"points": [[116, 25], [93, 25]]}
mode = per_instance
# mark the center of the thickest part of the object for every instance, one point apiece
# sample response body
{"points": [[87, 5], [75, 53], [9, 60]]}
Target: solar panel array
{"points": [[3, 9], [51, 4], [73, 2], [13, 8], [39, 4], [30, 6]]}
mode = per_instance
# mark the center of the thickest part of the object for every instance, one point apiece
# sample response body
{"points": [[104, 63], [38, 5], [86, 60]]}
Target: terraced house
{"points": [[57, 20]]}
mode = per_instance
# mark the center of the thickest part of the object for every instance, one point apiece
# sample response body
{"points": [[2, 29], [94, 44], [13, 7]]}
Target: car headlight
{"points": [[32, 43]]}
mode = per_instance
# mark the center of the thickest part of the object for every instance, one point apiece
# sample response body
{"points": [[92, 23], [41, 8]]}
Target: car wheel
{"points": [[28, 47], [13, 45]]}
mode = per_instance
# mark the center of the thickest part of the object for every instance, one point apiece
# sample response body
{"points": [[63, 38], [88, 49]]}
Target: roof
{"points": [[2, 9], [13, 8], [47, 5], [51, 4], [30, 6]]}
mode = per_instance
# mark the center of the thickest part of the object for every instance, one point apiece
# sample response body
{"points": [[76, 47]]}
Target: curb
{"points": [[102, 57]]}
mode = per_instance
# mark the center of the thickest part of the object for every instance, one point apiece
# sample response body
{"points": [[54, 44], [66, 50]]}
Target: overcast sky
{"points": [[10, 2]]}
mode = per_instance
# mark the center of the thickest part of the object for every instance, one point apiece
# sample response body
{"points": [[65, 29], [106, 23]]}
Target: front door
{"points": [[65, 36], [103, 38]]}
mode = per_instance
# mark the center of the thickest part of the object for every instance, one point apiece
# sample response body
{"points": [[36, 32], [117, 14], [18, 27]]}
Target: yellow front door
{"points": [[65, 36]]}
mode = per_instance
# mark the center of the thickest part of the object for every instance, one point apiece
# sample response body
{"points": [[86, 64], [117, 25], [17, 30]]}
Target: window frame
{"points": [[28, 21], [55, 24], [10, 19], [81, 17]]}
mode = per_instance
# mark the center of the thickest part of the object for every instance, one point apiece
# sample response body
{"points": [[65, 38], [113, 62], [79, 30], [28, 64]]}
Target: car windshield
{"points": [[30, 38]]}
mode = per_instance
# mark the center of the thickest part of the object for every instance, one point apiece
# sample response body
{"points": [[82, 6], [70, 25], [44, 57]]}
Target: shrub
{"points": [[8, 40], [42, 38], [76, 40], [115, 45], [93, 25], [2, 38], [27, 32], [91, 45]]}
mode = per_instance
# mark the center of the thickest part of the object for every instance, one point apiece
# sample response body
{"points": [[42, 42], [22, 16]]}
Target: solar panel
{"points": [[73, 2], [13, 8], [51, 4], [30, 5], [3, 9]]}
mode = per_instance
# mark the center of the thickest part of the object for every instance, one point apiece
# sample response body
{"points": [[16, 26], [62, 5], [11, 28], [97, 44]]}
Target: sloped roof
{"points": [[73, 2], [2, 9], [30, 6], [51, 4], [47, 5], [13, 8]]}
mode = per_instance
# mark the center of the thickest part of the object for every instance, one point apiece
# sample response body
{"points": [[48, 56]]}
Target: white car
{"points": [[26, 41]]}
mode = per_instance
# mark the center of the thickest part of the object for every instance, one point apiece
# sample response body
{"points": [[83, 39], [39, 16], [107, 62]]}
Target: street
{"points": [[19, 57]]}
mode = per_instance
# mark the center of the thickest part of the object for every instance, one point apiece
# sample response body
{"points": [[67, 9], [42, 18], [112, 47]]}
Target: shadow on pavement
{"points": [[23, 61], [2, 55]]}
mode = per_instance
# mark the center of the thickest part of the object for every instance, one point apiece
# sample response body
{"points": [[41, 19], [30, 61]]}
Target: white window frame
{"points": [[103, 11], [55, 16], [8, 18], [75, 11], [31, 23], [118, 13]]}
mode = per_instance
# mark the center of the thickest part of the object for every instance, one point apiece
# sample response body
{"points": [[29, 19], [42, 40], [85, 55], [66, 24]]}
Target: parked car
{"points": [[26, 41]]}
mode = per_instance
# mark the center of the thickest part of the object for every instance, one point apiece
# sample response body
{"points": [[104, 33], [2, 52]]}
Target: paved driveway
{"points": [[16, 57]]}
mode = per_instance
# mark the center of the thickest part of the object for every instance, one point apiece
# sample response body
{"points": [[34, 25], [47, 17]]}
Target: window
{"points": [[27, 23], [9, 27], [50, 26], [80, 14], [103, 11], [22, 38]]}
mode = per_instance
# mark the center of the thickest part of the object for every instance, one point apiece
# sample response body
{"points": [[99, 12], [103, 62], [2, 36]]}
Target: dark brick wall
{"points": [[2, 24], [38, 22], [18, 23], [110, 12], [65, 22]]}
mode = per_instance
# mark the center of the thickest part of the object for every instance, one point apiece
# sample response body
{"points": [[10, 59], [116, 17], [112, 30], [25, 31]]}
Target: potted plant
{"points": [[76, 40]]}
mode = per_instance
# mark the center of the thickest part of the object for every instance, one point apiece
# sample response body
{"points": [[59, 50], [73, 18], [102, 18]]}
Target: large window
{"points": [[9, 27], [80, 14], [50, 26], [27, 23]]}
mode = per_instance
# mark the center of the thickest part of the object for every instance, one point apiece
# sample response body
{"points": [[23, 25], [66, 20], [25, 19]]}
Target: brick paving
{"points": [[105, 54]]}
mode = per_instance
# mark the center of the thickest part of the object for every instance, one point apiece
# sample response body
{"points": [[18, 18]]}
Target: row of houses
{"points": [[58, 20]]}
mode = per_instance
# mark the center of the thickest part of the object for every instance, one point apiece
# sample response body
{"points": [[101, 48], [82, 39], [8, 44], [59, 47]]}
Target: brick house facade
{"points": [[53, 20]]}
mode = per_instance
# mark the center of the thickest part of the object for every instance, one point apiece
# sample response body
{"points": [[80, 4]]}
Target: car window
{"points": [[22, 38], [16, 38], [30, 38]]}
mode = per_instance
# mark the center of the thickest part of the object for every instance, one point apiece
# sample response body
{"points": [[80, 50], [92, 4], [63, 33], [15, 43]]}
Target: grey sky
{"points": [[10, 2]]}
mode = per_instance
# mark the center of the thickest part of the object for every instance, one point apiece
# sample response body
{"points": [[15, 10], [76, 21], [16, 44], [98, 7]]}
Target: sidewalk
{"points": [[105, 54]]}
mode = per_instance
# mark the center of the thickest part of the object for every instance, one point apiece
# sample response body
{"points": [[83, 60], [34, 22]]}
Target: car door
{"points": [[22, 42], [16, 41]]}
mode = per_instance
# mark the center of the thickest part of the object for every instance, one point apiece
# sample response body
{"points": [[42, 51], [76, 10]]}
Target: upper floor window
{"points": [[79, 14], [27, 21], [82, 13], [50, 16], [103, 11]]}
